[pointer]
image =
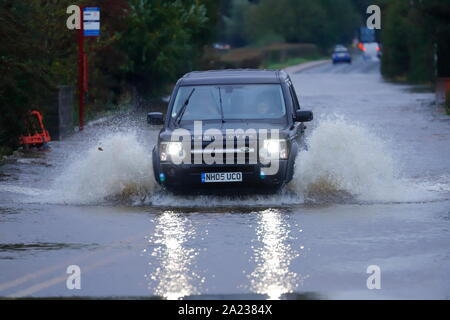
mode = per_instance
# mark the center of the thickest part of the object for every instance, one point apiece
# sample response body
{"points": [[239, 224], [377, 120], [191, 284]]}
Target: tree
{"points": [[414, 33], [323, 22], [35, 54], [160, 40], [395, 28], [437, 16], [234, 22], [144, 43]]}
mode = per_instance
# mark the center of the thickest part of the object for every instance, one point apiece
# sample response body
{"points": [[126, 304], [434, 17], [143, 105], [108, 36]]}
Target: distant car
{"points": [[370, 50], [341, 54], [221, 46], [238, 106]]}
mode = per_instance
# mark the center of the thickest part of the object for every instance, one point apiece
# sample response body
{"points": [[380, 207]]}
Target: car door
{"points": [[299, 127]]}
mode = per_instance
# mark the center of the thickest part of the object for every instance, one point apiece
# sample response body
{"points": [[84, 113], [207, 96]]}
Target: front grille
{"points": [[247, 154], [225, 168]]}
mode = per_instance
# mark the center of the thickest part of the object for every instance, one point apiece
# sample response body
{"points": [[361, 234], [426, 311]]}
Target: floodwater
{"points": [[373, 189]]}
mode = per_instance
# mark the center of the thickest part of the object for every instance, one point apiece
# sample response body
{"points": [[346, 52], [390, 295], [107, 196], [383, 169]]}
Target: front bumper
{"points": [[186, 178]]}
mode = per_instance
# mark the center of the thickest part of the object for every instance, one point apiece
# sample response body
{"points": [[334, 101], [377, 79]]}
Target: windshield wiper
{"points": [[180, 113], [221, 106]]}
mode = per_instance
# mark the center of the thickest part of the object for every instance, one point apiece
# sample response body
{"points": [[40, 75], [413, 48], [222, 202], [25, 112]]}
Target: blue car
{"points": [[341, 54]]}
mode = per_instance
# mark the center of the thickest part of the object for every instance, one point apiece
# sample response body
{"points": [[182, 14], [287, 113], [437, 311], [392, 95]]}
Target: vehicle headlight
{"points": [[274, 149], [172, 149]]}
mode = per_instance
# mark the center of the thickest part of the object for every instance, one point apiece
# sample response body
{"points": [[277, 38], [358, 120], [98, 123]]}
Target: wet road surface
{"points": [[372, 189]]}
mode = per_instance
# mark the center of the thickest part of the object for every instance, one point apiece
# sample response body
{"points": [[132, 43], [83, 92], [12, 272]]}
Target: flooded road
{"points": [[372, 189]]}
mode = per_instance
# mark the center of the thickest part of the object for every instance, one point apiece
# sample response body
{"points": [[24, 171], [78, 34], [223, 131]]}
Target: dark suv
{"points": [[229, 130]]}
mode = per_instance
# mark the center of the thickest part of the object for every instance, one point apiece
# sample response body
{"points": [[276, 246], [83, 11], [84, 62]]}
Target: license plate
{"points": [[222, 177]]}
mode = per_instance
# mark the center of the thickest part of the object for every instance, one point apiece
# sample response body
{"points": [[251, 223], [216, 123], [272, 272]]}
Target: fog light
{"points": [[262, 175], [162, 177]]}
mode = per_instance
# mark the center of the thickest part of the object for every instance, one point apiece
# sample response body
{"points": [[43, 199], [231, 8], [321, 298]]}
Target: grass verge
{"points": [[289, 62]]}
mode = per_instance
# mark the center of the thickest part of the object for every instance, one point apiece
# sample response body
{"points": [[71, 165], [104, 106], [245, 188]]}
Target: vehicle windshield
{"points": [[208, 102], [341, 50]]}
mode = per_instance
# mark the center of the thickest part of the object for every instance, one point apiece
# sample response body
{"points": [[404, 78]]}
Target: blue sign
{"points": [[91, 21], [367, 35]]}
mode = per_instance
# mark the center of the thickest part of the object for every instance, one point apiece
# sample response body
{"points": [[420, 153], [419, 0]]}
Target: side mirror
{"points": [[155, 118], [303, 116]]}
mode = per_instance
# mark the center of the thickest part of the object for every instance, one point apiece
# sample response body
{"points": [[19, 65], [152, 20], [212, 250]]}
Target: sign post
{"points": [[91, 19], [81, 72], [89, 27], [367, 35]]}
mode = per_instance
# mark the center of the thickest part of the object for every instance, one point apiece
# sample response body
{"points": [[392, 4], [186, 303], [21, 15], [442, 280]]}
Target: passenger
{"points": [[265, 104], [263, 108]]}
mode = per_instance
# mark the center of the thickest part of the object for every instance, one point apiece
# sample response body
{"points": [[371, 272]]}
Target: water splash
{"points": [[344, 161], [117, 168], [166, 199]]}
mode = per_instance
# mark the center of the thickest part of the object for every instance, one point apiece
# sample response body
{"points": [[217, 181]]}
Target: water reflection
{"points": [[174, 277], [273, 255]]}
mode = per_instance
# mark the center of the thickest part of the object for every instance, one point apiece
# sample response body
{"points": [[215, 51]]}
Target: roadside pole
{"points": [[81, 70], [89, 27]]}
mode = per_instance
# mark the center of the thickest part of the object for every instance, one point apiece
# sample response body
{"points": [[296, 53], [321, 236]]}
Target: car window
{"points": [[203, 103], [259, 101]]}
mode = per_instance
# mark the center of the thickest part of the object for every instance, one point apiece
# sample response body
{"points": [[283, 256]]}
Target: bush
{"points": [[279, 52], [242, 58], [322, 22], [255, 57]]}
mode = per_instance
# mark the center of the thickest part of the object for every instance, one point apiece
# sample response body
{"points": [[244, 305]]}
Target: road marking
{"points": [[46, 284], [30, 276]]}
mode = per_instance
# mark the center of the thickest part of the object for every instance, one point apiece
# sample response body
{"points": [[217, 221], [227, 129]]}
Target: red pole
{"points": [[81, 61], [85, 73]]}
